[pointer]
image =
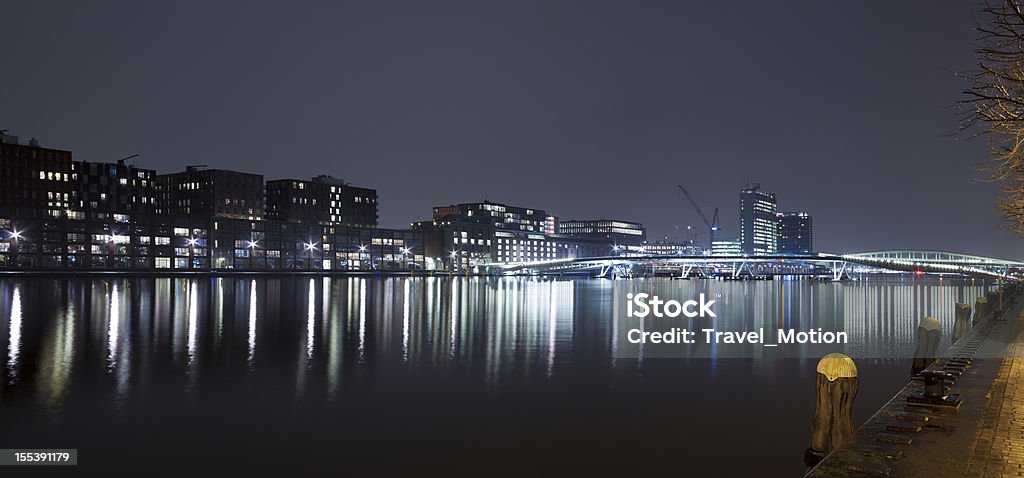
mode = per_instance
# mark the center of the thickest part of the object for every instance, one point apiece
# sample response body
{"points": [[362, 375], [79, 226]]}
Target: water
{"points": [[269, 375]]}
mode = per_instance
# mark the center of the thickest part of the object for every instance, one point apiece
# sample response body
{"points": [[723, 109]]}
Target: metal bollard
{"points": [[934, 384]]}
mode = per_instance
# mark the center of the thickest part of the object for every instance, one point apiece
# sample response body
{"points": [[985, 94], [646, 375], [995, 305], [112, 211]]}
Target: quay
{"points": [[981, 437]]}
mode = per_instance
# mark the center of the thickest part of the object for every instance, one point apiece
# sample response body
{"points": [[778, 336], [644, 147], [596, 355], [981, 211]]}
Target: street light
{"points": [[15, 236], [191, 251], [455, 254], [405, 257], [252, 250], [362, 256], [310, 246]]}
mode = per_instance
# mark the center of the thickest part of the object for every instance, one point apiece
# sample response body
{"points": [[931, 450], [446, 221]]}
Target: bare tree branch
{"points": [[992, 104]]}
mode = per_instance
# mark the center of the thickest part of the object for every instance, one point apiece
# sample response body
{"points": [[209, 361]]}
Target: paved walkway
{"points": [[984, 437], [999, 444]]}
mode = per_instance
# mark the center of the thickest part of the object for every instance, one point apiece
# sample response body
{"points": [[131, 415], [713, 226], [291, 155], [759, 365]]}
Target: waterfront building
{"points": [[612, 231], [457, 241], [726, 247], [551, 225], [275, 245], [758, 221], [577, 247], [112, 188], [201, 243], [517, 234], [211, 193], [323, 200], [113, 208], [58, 214], [795, 233], [506, 218], [34, 181]]}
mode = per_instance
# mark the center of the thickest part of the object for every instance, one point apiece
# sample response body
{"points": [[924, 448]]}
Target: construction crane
{"points": [[712, 224]]}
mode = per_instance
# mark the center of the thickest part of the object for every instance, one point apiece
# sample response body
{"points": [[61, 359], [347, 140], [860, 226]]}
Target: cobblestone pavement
{"points": [[999, 444]]}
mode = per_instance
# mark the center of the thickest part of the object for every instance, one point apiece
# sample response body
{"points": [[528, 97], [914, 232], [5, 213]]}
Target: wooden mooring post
{"points": [[835, 389], [929, 333], [962, 324]]}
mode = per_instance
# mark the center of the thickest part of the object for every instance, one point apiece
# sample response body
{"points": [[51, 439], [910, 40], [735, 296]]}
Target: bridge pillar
{"points": [[835, 389], [929, 332], [962, 325]]}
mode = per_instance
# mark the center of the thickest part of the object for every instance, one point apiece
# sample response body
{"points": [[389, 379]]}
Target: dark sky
{"points": [[586, 109]]}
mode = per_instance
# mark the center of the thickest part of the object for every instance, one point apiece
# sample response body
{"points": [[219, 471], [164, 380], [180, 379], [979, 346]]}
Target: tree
{"points": [[993, 103]]}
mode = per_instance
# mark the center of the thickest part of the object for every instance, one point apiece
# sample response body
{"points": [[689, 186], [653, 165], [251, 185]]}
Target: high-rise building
{"points": [[211, 193], [758, 221], [795, 233]]}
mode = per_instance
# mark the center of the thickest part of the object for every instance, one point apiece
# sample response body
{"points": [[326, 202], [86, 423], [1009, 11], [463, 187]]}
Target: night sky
{"points": [[585, 109]]}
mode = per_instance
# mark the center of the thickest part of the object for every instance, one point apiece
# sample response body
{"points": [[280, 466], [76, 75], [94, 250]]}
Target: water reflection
{"points": [[113, 328], [405, 321], [193, 319], [252, 324], [56, 359], [310, 319], [329, 333], [879, 315], [14, 341], [362, 320]]}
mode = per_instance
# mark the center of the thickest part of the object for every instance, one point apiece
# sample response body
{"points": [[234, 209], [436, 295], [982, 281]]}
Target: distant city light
{"points": [[310, 246], [15, 234], [252, 244], [192, 241]]}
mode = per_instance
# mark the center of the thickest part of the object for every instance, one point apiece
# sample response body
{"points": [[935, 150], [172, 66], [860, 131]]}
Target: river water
{"points": [[266, 375]]}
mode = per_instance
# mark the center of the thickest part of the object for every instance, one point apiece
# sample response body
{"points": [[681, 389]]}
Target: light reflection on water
{"points": [[130, 343], [252, 324], [497, 322], [14, 342], [879, 315]]}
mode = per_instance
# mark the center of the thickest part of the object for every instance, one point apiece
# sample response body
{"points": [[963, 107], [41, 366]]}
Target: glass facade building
{"points": [[796, 234], [758, 221]]}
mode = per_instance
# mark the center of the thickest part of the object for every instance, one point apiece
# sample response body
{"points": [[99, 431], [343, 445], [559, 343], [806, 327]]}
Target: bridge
{"points": [[836, 266]]}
